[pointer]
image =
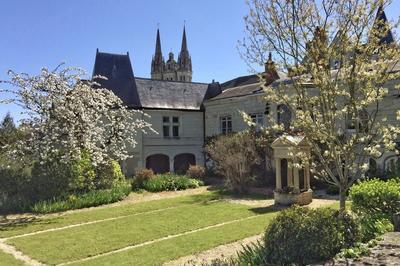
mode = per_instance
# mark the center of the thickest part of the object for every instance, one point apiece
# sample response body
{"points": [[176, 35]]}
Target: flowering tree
{"points": [[341, 62], [65, 116]]}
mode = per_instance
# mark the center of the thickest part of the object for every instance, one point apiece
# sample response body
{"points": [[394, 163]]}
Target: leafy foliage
{"points": [[196, 171], [234, 156], [168, 182], [78, 201], [143, 175], [376, 197], [375, 201], [303, 236]]}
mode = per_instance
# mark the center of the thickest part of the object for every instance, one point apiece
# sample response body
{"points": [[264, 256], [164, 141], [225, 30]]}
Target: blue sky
{"points": [[46, 32]]}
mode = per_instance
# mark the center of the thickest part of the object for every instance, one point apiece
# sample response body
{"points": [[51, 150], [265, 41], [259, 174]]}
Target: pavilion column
{"points": [[289, 174], [296, 177], [307, 176], [278, 174]]}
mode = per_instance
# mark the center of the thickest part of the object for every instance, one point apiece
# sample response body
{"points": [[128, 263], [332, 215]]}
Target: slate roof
{"points": [[163, 94], [239, 81], [147, 93], [244, 90], [245, 85], [117, 69]]}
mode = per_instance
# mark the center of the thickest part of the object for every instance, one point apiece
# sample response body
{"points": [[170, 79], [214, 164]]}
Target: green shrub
{"points": [[253, 254], [376, 198], [332, 190], [169, 182], [16, 190], [374, 226], [83, 174], [78, 201], [50, 179], [109, 175], [196, 171], [303, 236], [143, 175]]}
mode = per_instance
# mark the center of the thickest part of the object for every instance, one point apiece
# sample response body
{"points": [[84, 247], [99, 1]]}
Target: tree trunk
{"points": [[342, 199]]}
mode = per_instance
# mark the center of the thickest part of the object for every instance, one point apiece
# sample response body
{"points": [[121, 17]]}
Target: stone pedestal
{"points": [[287, 199]]}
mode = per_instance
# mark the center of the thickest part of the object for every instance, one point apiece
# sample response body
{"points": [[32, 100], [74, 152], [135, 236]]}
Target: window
{"points": [[170, 126], [166, 126], [175, 126], [166, 131], [267, 109], [226, 124], [257, 118], [284, 115]]}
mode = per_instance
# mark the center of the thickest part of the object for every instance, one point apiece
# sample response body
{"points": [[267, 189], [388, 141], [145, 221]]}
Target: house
{"points": [[185, 113]]}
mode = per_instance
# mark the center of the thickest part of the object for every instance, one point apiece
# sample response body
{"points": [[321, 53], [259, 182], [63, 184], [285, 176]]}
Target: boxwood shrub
{"points": [[376, 197], [375, 201], [303, 236]]}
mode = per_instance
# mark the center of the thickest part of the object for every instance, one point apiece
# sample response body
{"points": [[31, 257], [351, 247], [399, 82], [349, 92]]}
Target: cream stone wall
{"points": [[217, 108], [190, 140]]}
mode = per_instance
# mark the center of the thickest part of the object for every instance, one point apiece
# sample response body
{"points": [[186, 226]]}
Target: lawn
{"points": [[7, 259], [134, 233]]}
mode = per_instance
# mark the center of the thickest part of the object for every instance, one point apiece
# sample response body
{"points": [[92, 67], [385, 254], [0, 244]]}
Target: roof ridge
{"points": [[172, 81]]}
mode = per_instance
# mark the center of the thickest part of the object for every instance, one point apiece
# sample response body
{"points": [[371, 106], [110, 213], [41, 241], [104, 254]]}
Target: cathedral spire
{"points": [[157, 63], [381, 24], [158, 43], [184, 61], [184, 45]]}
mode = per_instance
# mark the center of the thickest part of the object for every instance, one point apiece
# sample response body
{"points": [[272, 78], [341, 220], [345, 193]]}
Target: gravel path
{"points": [[225, 251], [231, 249]]}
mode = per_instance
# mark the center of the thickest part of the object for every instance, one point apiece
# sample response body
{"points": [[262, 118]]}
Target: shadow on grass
{"points": [[18, 223]]}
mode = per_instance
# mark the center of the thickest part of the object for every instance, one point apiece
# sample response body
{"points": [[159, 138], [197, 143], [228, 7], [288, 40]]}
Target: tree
{"points": [[234, 156], [339, 57], [66, 116], [7, 129]]}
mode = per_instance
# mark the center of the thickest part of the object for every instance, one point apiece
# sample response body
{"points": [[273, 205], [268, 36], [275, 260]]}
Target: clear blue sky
{"points": [[46, 32]]}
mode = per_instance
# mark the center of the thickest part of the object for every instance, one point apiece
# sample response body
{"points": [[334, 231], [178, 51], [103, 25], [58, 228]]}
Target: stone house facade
{"points": [[185, 113]]}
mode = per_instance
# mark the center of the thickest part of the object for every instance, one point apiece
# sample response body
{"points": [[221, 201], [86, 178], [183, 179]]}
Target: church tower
{"points": [[172, 70], [184, 72], [157, 63]]}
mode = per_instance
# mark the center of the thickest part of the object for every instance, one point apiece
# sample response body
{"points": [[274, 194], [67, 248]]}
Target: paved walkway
{"points": [[387, 252]]}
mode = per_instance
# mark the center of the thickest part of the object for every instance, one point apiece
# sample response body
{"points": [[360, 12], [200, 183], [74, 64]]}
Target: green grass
{"points": [[88, 240], [171, 249], [8, 260], [29, 225], [173, 216]]}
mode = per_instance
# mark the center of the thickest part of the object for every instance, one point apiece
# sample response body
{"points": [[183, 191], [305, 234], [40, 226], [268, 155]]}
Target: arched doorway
{"points": [[159, 163], [182, 162]]}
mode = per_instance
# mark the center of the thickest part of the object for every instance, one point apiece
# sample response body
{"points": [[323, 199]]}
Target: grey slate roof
{"points": [[120, 79], [170, 94], [147, 93], [244, 90], [239, 81]]}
